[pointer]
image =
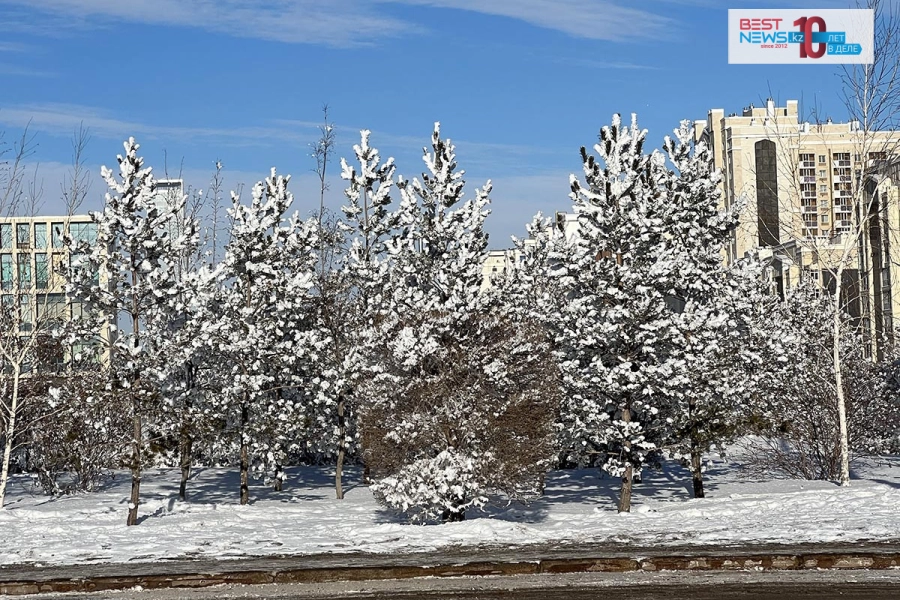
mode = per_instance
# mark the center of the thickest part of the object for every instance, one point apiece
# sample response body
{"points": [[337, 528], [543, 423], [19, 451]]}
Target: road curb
{"points": [[617, 564]]}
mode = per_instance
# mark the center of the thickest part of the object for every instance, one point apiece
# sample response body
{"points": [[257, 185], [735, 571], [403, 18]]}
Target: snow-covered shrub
{"points": [[798, 433], [83, 436], [442, 487]]}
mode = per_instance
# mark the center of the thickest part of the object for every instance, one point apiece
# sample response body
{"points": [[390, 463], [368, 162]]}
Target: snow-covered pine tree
{"points": [[257, 324], [616, 326], [185, 367], [120, 281], [351, 297], [714, 309], [460, 398]]}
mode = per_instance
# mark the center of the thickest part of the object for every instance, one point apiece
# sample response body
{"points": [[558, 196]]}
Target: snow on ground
{"points": [[579, 506]]}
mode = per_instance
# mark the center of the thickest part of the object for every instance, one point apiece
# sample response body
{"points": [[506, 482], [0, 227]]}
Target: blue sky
{"points": [[519, 85]]}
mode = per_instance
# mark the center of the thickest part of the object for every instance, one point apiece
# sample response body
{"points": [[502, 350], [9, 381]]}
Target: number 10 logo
{"points": [[806, 45]]}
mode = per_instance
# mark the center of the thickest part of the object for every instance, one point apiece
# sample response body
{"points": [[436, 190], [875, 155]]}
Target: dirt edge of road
{"points": [[312, 574]]}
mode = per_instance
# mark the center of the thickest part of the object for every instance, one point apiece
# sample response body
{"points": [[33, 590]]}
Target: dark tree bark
{"points": [[342, 434], [135, 470], [625, 497], [696, 468], [245, 453], [186, 449], [186, 443], [279, 478]]}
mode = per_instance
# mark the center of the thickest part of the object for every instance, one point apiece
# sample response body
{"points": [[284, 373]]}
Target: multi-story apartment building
{"points": [[32, 252], [879, 249], [797, 179], [797, 182]]}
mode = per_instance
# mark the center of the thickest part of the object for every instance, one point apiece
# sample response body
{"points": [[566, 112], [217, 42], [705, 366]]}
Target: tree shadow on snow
{"points": [[212, 485], [588, 487]]}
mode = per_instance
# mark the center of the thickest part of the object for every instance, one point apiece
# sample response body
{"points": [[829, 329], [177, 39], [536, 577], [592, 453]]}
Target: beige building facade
{"points": [[802, 186], [796, 179], [880, 253], [32, 252]]}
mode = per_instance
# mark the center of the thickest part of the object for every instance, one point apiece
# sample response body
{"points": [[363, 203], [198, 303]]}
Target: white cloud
{"points": [[63, 119], [591, 19], [341, 23], [18, 71], [334, 23], [13, 47]]}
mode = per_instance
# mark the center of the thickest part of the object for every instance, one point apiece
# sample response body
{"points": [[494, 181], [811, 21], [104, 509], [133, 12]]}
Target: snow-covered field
{"points": [[579, 506]]}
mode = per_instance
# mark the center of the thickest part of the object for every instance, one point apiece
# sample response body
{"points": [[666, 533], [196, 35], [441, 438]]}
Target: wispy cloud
{"points": [[334, 23], [591, 19], [765, 3], [340, 23], [63, 119], [476, 156], [18, 71], [14, 47], [606, 64]]}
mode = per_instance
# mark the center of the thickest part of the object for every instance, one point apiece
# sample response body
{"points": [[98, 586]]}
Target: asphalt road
{"points": [[820, 585]]}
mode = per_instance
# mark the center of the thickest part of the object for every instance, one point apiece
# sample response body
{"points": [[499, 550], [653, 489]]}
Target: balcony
{"points": [[808, 164], [842, 163], [807, 179], [809, 209]]}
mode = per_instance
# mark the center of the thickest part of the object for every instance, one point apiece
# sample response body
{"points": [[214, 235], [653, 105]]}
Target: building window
{"points": [[41, 271], [25, 316], [23, 235], [40, 235], [51, 309], [23, 261], [58, 230], [823, 173], [84, 232], [824, 219], [6, 271], [823, 188], [5, 235], [821, 159]]}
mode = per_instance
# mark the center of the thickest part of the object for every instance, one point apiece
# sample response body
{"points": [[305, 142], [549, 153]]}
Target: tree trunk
{"points": [[839, 381], [696, 468], [135, 469], [279, 478], [186, 448], [245, 454], [10, 435], [186, 445], [339, 468], [136, 442], [625, 497]]}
